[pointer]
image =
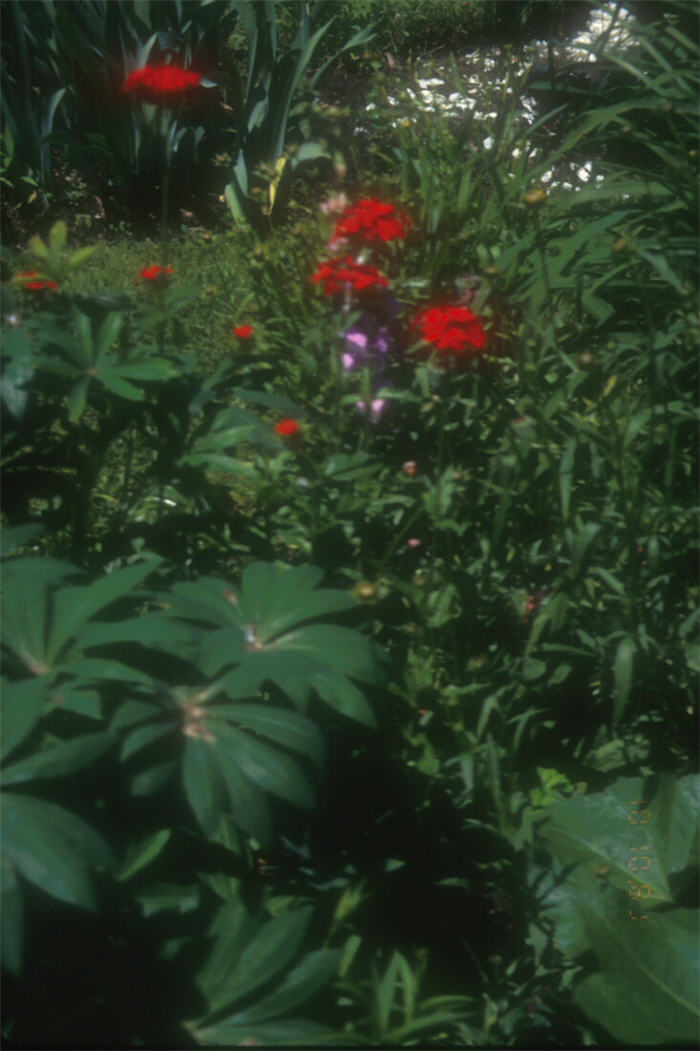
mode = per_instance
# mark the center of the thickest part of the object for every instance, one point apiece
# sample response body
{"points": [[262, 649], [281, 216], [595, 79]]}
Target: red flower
{"points": [[163, 85], [154, 273], [286, 428], [37, 285], [371, 220], [336, 273], [452, 329], [243, 331]]}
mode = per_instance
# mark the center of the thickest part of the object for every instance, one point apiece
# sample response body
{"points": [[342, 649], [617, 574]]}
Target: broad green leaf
{"points": [[27, 583], [79, 256], [278, 724], [233, 927], [275, 599], [291, 1032], [21, 707], [268, 953], [268, 768], [58, 235], [52, 847], [204, 786], [646, 991], [618, 849], [59, 759], [76, 399], [93, 669], [151, 780], [341, 649], [249, 807], [344, 696], [73, 607], [143, 736], [142, 853], [303, 981]]}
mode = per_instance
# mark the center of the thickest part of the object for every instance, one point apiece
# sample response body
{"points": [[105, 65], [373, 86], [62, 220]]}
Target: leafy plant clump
{"points": [[350, 626]]}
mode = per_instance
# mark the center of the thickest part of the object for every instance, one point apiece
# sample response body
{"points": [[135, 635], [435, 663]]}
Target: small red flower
{"points": [[286, 428], [452, 329], [34, 285], [371, 220], [154, 273], [163, 85], [243, 331], [338, 273]]}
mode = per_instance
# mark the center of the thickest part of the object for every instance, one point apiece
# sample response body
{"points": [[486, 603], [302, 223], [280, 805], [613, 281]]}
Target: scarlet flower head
{"points": [[243, 331], [36, 285], [156, 273], [287, 428], [162, 85], [336, 274], [371, 220], [452, 328]]}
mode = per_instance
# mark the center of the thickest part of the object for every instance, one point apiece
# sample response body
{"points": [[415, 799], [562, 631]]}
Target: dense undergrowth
{"points": [[350, 623]]}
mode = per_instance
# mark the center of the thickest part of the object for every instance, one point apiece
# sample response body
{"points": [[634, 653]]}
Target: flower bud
{"points": [[537, 196], [365, 591]]}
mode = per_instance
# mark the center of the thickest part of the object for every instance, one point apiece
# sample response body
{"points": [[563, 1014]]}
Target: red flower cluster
{"points": [[34, 285], [163, 85], [371, 220], [153, 273], [451, 329], [338, 273], [286, 428], [243, 331]]}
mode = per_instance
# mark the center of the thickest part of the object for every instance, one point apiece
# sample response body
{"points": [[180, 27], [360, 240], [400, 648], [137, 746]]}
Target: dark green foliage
{"points": [[382, 732]]}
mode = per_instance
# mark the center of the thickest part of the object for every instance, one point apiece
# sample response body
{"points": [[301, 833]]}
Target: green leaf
{"points": [[345, 697], [27, 583], [81, 255], [59, 759], [268, 768], [142, 853], [143, 736], [269, 952], [288, 728], [58, 235], [618, 849], [52, 847], [204, 786], [73, 607], [76, 399], [250, 809], [303, 981], [21, 707]]}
